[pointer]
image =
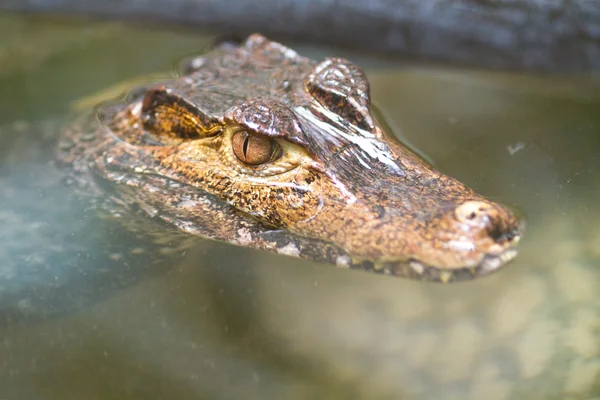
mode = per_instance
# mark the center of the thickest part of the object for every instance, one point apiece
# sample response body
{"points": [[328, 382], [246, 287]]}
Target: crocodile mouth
{"points": [[417, 270]]}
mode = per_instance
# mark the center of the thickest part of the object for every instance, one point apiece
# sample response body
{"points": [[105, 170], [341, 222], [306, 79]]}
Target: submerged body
{"points": [[260, 147]]}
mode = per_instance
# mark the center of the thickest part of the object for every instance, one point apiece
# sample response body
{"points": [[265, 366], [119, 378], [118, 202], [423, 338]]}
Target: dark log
{"points": [[550, 35]]}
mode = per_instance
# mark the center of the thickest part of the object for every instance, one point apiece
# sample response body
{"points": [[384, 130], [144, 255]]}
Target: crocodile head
{"points": [[261, 147]]}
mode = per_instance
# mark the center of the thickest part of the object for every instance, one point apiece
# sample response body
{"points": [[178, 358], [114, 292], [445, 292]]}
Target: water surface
{"points": [[112, 320]]}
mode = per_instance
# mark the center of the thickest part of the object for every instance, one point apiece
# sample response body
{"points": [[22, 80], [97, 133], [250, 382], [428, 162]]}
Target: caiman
{"points": [[260, 147]]}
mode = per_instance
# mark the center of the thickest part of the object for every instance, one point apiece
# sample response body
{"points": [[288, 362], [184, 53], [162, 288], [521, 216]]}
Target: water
{"points": [[219, 322]]}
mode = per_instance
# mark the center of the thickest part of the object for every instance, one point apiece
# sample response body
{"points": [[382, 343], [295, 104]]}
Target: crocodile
{"points": [[258, 146]]}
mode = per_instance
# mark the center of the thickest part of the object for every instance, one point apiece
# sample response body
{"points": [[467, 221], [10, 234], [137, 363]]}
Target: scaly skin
{"points": [[321, 180]]}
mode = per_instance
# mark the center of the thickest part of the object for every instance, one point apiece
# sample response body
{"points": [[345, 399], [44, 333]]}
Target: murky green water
{"points": [[219, 322]]}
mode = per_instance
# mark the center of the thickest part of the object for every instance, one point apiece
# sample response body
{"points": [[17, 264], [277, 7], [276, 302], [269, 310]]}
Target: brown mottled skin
{"points": [[260, 147]]}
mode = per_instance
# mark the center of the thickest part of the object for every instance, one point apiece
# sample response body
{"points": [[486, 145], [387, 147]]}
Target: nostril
{"points": [[472, 212], [492, 221]]}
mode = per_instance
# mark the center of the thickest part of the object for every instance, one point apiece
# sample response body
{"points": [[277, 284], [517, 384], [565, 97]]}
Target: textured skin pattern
{"points": [[341, 191]]}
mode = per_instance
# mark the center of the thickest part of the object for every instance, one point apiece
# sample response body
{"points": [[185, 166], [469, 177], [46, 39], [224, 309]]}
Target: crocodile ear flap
{"points": [[167, 115], [342, 88]]}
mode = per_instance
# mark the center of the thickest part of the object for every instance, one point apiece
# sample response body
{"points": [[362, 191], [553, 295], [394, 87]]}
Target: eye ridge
{"points": [[167, 115]]}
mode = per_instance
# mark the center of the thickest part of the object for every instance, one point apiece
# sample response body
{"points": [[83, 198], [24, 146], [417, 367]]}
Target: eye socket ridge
{"points": [[168, 115], [254, 149]]}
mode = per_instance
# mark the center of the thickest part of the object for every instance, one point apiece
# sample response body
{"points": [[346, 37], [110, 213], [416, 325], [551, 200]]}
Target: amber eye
{"points": [[254, 149]]}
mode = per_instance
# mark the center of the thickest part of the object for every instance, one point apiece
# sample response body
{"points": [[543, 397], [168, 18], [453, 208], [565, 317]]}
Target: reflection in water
{"points": [[229, 323]]}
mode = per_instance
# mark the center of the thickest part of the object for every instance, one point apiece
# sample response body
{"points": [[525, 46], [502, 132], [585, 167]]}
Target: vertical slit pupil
{"points": [[245, 147]]}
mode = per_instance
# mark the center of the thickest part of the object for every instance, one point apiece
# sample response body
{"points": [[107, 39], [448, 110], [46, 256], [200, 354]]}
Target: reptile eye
{"points": [[254, 149]]}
